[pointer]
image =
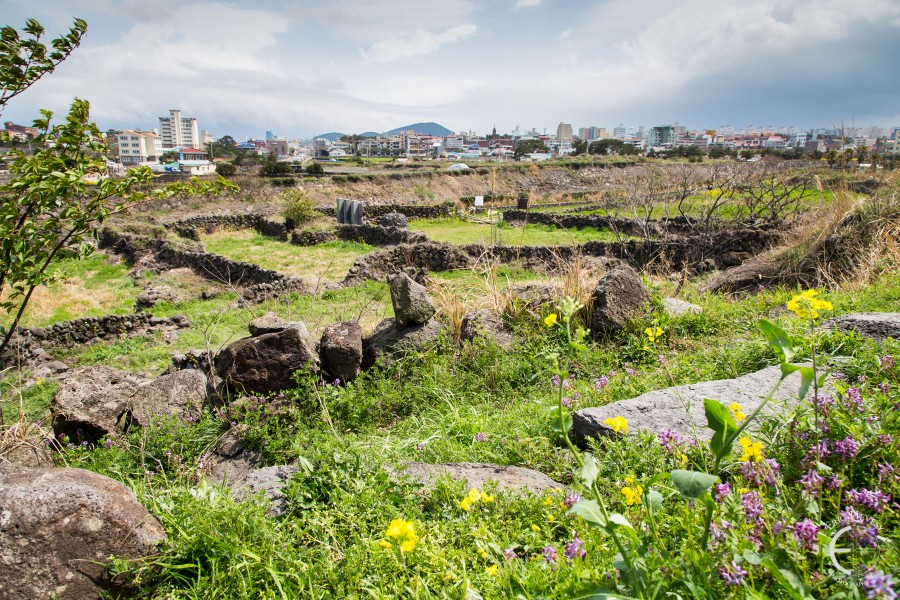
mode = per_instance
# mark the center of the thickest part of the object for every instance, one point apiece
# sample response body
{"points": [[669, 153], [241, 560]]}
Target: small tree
{"points": [[315, 169], [226, 169], [298, 208], [524, 147], [272, 167]]}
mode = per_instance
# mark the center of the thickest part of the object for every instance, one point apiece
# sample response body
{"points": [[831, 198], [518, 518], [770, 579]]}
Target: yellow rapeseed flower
{"points": [[738, 411], [384, 544], [617, 424], [409, 544], [548, 501], [752, 450], [474, 494], [550, 320], [535, 527], [491, 571], [632, 495], [551, 518], [807, 306], [404, 531]]}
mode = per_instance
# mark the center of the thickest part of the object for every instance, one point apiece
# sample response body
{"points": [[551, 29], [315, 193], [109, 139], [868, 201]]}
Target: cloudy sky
{"points": [[304, 67]]}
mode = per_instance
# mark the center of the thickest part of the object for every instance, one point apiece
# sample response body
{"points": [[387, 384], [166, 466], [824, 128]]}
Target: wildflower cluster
{"points": [[807, 306], [617, 424], [403, 532], [475, 495]]}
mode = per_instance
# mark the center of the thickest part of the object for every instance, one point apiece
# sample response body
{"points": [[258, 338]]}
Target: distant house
{"points": [[20, 132], [138, 147]]}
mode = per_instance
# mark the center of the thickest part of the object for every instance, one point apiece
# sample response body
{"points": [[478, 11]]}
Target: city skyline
{"points": [[306, 67]]}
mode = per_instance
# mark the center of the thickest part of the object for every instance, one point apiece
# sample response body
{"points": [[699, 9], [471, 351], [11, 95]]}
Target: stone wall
{"points": [[429, 256], [376, 235], [302, 237], [82, 331], [411, 211], [190, 228]]}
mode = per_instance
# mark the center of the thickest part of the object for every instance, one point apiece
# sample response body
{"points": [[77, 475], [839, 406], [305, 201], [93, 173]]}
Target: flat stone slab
{"points": [[515, 479], [680, 408], [876, 325], [675, 307]]}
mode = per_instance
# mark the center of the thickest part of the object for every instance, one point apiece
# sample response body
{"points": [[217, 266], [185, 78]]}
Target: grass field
{"points": [[327, 262]]}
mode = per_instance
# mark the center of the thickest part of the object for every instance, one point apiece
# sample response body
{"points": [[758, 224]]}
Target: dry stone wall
{"points": [[411, 211], [190, 228]]}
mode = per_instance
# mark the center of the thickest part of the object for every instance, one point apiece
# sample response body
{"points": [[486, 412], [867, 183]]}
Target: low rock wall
{"points": [[376, 235], [190, 228], [411, 211]]}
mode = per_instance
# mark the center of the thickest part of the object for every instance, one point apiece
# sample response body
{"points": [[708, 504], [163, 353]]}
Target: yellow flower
{"points": [[617, 424], [535, 527], [629, 480], [738, 411], [548, 502], [682, 460], [557, 491], [752, 450], [491, 571], [474, 494], [807, 306], [482, 553], [653, 333], [466, 504], [384, 544], [486, 498], [551, 518], [550, 320], [404, 530], [409, 544], [632, 495]]}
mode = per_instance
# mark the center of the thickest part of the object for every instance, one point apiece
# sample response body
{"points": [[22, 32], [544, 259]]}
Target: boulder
{"points": [[874, 325], [153, 295], [268, 480], [485, 324], [266, 363], [30, 451], [59, 527], [387, 342], [341, 350], [182, 394], [394, 219], [91, 402], [515, 479], [675, 307], [681, 409], [412, 304], [272, 323], [619, 297]]}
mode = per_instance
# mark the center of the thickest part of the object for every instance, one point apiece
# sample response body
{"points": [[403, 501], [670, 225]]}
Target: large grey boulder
{"points": [[619, 297], [387, 342], [182, 394], [681, 409], [341, 350], [869, 324], [272, 323], [514, 479], [269, 481], [485, 324], [266, 363], [94, 401], [394, 219], [412, 304], [59, 528]]}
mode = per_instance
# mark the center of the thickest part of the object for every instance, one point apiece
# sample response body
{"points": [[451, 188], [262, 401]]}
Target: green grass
{"points": [[327, 262], [456, 231]]}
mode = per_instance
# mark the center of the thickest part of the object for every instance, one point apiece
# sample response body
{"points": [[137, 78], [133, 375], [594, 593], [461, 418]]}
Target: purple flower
{"points": [[887, 362], [571, 500], [807, 534], [838, 376], [575, 549], [812, 481], [822, 403], [878, 584], [600, 383], [733, 574], [669, 439], [555, 381], [421, 446], [722, 490], [753, 506], [510, 554], [761, 472], [854, 399], [480, 436], [777, 527], [847, 448], [886, 472], [884, 387], [550, 554], [863, 530], [874, 500], [567, 402], [108, 443]]}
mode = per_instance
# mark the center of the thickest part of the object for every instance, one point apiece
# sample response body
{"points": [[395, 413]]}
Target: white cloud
{"points": [[422, 42], [423, 92], [526, 4]]}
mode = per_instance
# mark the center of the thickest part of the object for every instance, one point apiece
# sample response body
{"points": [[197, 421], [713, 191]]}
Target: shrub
{"points": [[298, 209], [315, 169], [226, 169]]}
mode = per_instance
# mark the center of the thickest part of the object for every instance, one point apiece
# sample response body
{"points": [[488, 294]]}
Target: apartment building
{"points": [[177, 131], [137, 147]]}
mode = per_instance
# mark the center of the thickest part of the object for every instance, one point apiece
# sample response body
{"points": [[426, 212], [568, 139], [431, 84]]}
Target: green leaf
{"points": [[780, 565], [807, 376], [721, 421], [655, 499], [589, 470], [620, 520], [779, 341], [590, 511], [692, 484], [566, 420]]}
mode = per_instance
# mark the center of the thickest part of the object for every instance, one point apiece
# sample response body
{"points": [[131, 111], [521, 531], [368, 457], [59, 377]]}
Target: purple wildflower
{"points": [[761, 472], [600, 383], [878, 584], [807, 534], [823, 403], [863, 530], [733, 574], [722, 490], [550, 554], [812, 481], [834, 482], [887, 362], [555, 381], [847, 448], [874, 500], [421, 446], [575, 549], [510, 554], [567, 402], [108, 443], [669, 439], [480, 436], [839, 376], [753, 506], [571, 500], [886, 472], [777, 527], [854, 399], [884, 387]]}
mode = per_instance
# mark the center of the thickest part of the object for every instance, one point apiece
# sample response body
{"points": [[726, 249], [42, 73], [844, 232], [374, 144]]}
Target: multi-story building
{"points": [[20, 132], [564, 132], [137, 147], [662, 136], [179, 132]]}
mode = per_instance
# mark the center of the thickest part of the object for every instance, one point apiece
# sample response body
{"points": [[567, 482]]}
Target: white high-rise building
{"points": [[176, 131], [137, 147]]}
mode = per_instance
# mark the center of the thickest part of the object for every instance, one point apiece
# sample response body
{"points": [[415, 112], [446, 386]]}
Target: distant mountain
{"points": [[430, 128], [331, 137], [369, 134]]}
